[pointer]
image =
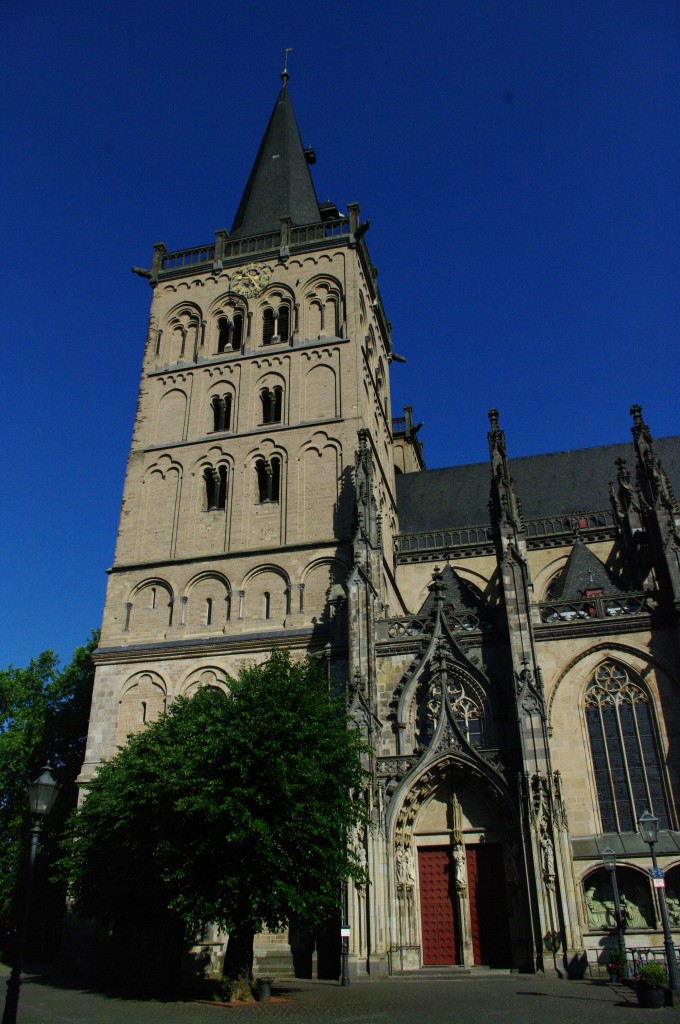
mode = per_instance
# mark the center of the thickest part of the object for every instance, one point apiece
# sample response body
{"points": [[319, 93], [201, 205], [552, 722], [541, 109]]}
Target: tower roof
{"points": [[456, 593], [583, 571], [280, 184]]}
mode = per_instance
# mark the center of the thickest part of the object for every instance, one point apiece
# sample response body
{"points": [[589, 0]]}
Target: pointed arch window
{"points": [[465, 705], [624, 750]]}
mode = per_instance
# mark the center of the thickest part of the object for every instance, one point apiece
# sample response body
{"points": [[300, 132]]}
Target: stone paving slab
{"points": [[498, 999]]}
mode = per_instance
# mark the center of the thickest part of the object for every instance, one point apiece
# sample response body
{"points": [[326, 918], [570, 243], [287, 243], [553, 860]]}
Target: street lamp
{"points": [[41, 796], [609, 861], [345, 933], [649, 830]]}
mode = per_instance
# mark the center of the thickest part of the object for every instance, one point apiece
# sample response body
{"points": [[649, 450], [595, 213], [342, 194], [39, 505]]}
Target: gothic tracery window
{"points": [[624, 750], [464, 704]]}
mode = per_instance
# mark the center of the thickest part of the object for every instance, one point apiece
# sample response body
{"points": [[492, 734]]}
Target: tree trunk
{"points": [[238, 962]]}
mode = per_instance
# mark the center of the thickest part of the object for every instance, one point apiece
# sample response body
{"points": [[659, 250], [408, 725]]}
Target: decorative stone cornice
{"points": [[244, 643]]}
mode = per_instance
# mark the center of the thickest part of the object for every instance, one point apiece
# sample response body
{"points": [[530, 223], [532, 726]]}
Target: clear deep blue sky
{"points": [[519, 163]]}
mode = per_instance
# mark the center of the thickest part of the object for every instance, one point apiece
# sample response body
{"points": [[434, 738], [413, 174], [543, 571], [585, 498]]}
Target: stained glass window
{"points": [[623, 747]]}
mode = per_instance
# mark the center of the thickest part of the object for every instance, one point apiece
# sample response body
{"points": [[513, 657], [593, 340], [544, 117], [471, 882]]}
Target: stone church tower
{"points": [[506, 633]]}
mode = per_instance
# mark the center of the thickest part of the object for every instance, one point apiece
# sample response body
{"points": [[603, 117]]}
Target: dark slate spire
{"points": [[584, 571], [454, 591], [280, 184]]}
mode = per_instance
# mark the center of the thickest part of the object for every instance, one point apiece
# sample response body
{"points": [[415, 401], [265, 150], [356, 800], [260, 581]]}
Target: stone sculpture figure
{"points": [[404, 867]]}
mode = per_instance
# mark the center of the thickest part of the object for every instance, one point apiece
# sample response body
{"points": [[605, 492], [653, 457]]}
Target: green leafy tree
{"points": [[232, 808], [43, 719]]}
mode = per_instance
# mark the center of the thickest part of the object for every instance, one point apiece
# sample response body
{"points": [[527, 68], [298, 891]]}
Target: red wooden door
{"points": [[488, 905], [436, 905]]}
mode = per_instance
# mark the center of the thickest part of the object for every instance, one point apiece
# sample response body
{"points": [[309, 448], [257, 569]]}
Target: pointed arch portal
{"points": [[455, 850]]}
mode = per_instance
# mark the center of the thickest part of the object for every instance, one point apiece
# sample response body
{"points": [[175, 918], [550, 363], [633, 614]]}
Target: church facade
{"points": [[506, 633]]}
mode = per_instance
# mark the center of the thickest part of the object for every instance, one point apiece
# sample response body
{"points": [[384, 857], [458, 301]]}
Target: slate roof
{"points": [[583, 571], [280, 184], [561, 483], [456, 593]]}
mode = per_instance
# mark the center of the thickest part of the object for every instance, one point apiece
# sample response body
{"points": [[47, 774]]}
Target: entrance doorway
{"points": [[437, 910], [488, 905]]}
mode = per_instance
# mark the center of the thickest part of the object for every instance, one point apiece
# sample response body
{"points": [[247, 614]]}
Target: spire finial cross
{"points": [[284, 74]]}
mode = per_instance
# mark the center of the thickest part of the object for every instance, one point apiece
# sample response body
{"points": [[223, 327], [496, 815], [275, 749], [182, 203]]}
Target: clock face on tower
{"points": [[250, 280]]}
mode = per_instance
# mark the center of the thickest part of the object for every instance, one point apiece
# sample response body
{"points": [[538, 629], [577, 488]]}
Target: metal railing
{"points": [[601, 607], [639, 955]]}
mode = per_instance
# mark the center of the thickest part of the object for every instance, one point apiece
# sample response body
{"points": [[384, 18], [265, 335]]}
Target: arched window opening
{"points": [[268, 326], [267, 604], [262, 480], [208, 611], [315, 319], [182, 341], [550, 589], [224, 334], [276, 479], [216, 404], [283, 323], [222, 488], [221, 409], [268, 479], [330, 318], [237, 332], [370, 342], [624, 751], [275, 325], [271, 404], [215, 482], [210, 489], [143, 710], [230, 333]]}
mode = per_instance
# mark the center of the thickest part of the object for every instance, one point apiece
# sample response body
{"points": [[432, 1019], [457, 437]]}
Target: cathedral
{"points": [[506, 633]]}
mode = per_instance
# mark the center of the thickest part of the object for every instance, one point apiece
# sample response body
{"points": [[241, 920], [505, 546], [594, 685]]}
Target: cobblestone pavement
{"points": [[497, 999]]}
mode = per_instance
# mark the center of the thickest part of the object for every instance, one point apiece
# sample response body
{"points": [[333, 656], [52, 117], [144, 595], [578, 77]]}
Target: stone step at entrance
{"points": [[447, 973]]}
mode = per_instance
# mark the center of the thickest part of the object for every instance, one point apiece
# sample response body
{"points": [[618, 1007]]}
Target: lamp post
{"points": [[649, 830], [41, 796], [609, 861], [345, 933]]}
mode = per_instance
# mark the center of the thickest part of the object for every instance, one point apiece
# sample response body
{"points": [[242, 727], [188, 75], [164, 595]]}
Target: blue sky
{"points": [[519, 164]]}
